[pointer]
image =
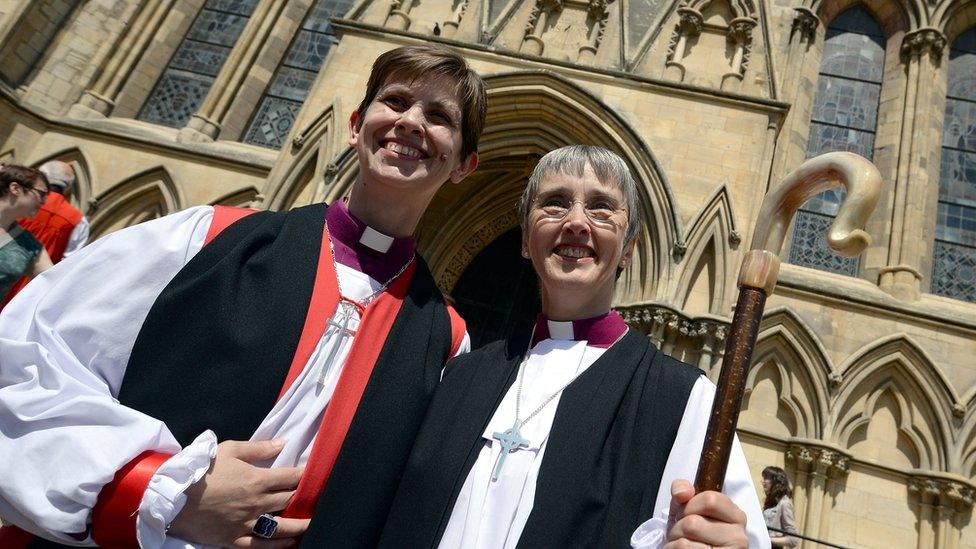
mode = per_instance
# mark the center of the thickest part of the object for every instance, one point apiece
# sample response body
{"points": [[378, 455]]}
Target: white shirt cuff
{"points": [[650, 534], [164, 498]]}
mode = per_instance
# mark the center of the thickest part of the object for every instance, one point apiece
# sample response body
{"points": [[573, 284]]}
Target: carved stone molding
{"points": [[696, 340], [474, 243], [924, 41], [942, 492], [805, 24], [813, 459]]}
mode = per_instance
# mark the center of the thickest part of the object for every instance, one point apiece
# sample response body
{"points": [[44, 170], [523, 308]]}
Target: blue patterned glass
{"points": [[844, 118], [955, 233], [292, 82], [191, 71]]}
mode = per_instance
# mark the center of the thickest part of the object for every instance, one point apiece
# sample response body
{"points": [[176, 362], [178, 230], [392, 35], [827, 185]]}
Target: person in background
{"points": [[778, 507], [58, 225], [22, 191]]}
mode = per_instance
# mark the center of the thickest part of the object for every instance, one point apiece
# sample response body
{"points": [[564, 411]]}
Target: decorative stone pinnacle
{"points": [[922, 41], [691, 21], [806, 23]]}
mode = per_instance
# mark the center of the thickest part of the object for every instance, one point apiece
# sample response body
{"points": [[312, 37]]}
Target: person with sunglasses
{"points": [[22, 191], [581, 433]]}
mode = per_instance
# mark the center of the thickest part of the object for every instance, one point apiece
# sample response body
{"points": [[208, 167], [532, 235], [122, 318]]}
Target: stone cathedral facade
{"points": [[864, 387]]}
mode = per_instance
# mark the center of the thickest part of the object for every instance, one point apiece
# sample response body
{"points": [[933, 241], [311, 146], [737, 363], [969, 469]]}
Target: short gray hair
{"points": [[59, 174], [572, 160]]}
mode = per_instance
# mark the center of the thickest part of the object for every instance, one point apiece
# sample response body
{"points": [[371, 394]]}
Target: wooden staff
{"points": [[757, 278]]}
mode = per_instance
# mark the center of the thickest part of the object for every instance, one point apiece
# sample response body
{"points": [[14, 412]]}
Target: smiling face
{"points": [[577, 256], [409, 139]]}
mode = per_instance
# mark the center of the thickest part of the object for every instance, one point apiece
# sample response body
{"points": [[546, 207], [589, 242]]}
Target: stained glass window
{"points": [[954, 265], [192, 69], [845, 115], [291, 83]]}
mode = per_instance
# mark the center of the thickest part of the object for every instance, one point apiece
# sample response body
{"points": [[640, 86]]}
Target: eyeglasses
{"points": [[40, 194], [600, 210]]}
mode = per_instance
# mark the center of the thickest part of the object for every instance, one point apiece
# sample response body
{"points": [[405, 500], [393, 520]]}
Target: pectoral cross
{"points": [[510, 440], [346, 310]]}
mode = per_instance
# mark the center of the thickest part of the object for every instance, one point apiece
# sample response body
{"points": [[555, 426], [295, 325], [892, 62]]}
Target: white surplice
{"points": [[65, 342], [492, 514]]}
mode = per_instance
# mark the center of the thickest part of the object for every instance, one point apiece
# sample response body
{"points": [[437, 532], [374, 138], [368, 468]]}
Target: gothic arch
{"points": [[954, 18], [529, 114], [895, 372], [310, 155], [711, 236], [147, 195], [82, 194], [787, 351], [892, 15], [739, 8], [964, 458], [243, 198]]}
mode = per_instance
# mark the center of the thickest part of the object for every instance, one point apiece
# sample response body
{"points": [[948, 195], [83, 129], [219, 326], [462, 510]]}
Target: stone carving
{"points": [[533, 44], [924, 41], [805, 24]]}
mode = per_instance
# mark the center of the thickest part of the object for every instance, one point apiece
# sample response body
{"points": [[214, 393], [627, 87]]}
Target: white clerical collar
{"points": [[560, 329], [376, 240]]}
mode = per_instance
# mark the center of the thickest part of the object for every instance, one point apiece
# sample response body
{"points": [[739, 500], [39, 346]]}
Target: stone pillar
{"points": [[399, 17], [819, 473], [597, 18], [941, 503], [99, 100], [451, 25], [802, 35], [922, 51], [689, 25], [740, 34], [532, 43], [204, 125]]}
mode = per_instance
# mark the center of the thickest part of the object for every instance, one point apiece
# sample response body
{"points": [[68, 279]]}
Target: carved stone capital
{"points": [[655, 317], [945, 493], [551, 6], [805, 23], [924, 41], [812, 458], [597, 9], [691, 21], [740, 30]]}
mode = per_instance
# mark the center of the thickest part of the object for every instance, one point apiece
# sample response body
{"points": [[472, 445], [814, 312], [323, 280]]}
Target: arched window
{"points": [[845, 115], [192, 69], [291, 83], [954, 265]]}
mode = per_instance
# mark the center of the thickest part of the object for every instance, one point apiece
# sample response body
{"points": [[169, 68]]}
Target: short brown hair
{"points": [[411, 62], [21, 175]]}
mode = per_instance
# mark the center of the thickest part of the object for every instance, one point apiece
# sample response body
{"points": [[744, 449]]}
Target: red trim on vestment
{"points": [[458, 329], [321, 307], [115, 512], [370, 338], [225, 216], [12, 537]]}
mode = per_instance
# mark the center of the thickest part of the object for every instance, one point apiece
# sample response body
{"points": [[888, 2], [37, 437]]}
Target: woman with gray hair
{"points": [[578, 434]]}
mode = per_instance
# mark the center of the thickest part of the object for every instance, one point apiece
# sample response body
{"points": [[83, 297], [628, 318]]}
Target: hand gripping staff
{"points": [[757, 278]]}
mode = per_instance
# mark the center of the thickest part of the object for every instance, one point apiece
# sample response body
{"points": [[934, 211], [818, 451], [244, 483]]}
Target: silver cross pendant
{"points": [[511, 440]]}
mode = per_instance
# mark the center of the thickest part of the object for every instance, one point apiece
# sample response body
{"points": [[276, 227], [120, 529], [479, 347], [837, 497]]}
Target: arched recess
{"points": [[703, 274], [894, 376], [954, 18], [738, 8], [244, 198], [299, 177], [893, 15], [147, 195], [789, 358], [82, 194], [529, 114]]}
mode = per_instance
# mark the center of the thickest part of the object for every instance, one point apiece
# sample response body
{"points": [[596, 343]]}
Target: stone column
{"points": [[204, 125], [532, 43], [399, 17], [451, 25], [922, 51], [819, 475], [99, 100], [941, 502], [597, 14], [689, 25], [740, 34], [802, 35]]}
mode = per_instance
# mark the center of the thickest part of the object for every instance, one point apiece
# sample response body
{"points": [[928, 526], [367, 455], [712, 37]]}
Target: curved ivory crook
{"points": [[760, 266]]}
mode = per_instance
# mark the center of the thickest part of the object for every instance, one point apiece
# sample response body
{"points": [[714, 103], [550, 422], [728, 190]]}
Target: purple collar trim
{"points": [[599, 331], [346, 233]]}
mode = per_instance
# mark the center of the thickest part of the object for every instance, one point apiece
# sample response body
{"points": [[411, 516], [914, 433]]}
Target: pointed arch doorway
{"points": [[498, 293]]}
